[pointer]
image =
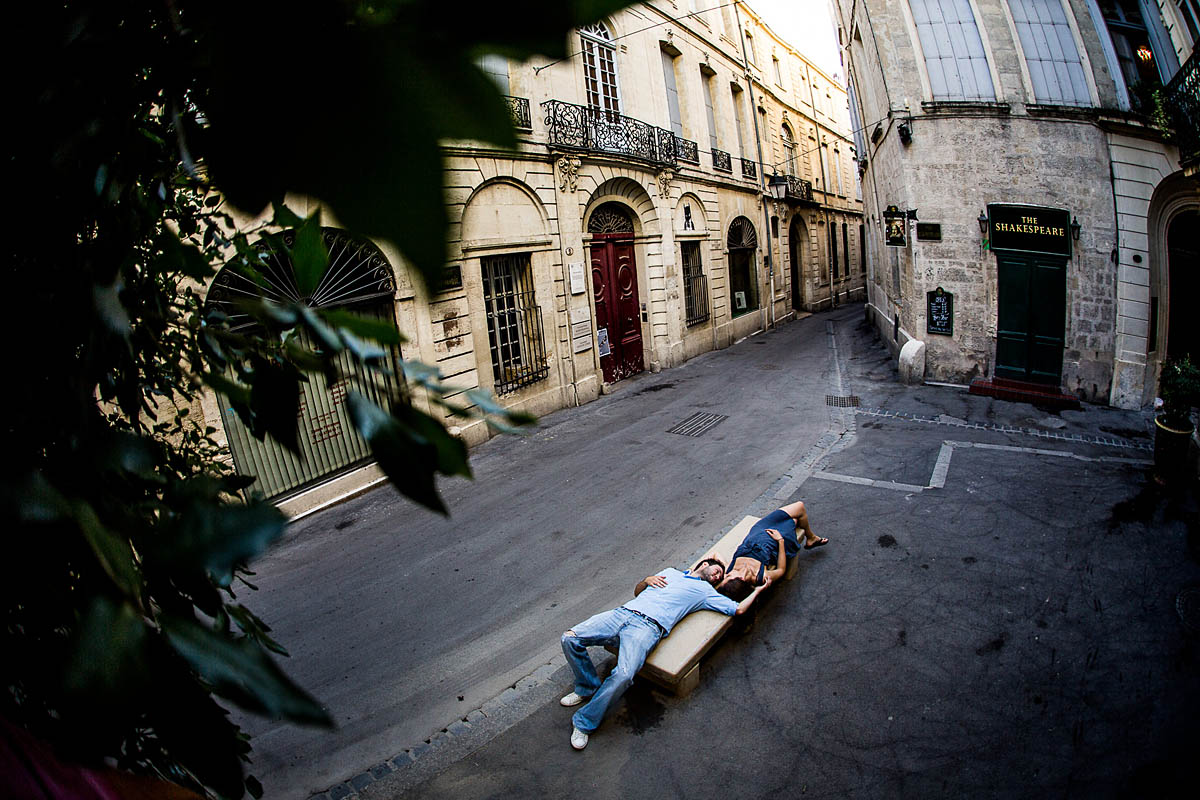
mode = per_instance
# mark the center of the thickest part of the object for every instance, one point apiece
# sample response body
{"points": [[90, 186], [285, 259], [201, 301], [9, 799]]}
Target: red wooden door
{"points": [[618, 313]]}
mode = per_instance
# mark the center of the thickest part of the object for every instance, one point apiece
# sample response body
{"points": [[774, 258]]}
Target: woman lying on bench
{"points": [[765, 551]]}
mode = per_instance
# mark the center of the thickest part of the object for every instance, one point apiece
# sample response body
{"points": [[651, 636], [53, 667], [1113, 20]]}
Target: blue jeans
{"points": [[634, 635]]}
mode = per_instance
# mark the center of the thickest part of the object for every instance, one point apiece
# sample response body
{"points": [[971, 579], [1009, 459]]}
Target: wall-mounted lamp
{"points": [[905, 131], [777, 186], [983, 221], [1075, 228]]}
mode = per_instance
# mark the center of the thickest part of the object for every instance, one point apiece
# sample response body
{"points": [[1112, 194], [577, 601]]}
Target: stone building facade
{"points": [[630, 230], [1044, 150]]}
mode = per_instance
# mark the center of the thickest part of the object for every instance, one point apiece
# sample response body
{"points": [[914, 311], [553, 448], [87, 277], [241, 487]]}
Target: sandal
{"points": [[820, 542]]}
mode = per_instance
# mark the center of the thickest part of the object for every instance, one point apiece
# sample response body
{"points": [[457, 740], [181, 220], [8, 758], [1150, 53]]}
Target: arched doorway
{"points": [[615, 290], [743, 278], [797, 242], [360, 279], [1183, 284]]}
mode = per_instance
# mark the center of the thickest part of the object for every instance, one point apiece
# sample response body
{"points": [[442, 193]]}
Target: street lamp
{"points": [[983, 221], [777, 186]]}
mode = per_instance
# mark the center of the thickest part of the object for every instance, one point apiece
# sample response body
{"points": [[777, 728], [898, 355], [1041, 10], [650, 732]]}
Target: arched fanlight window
{"points": [[742, 235], [600, 68], [358, 271], [610, 218], [789, 150]]}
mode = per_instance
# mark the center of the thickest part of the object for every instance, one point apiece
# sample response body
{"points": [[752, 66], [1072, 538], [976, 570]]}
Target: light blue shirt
{"points": [[682, 595]]}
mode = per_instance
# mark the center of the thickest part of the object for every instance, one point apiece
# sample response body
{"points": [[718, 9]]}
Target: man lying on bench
{"points": [[659, 602]]}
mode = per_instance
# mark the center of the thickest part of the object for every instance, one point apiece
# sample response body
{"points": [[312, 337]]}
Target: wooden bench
{"points": [[675, 663]]}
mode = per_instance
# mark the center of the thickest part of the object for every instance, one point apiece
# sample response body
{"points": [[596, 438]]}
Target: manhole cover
{"points": [[841, 402], [1187, 603], [698, 424]]}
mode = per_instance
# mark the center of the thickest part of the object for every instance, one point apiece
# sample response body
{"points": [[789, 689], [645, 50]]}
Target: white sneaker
{"points": [[571, 699], [578, 738]]}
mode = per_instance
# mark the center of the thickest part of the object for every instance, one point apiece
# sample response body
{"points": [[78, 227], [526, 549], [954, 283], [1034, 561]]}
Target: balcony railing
{"points": [[584, 128], [799, 189], [1181, 101], [518, 109], [721, 161], [687, 151], [749, 169]]}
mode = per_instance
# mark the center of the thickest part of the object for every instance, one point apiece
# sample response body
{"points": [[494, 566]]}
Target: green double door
{"points": [[1031, 317]]}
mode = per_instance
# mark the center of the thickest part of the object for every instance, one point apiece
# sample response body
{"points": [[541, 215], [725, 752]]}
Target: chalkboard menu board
{"points": [[939, 312]]}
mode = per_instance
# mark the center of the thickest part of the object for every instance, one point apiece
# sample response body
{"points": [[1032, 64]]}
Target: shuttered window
{"points": [[1055, 69], [668, 63], [954, 55]]}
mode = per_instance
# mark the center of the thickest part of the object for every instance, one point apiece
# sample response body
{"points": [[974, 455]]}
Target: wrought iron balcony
{"points": [[1181, 101], [721, 161], [687, 151], [749, 169], [799, 189], [518, 108], [585, 128]]}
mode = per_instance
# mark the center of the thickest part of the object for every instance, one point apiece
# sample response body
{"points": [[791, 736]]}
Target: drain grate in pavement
{"points": [[698, 424], [846, 401]]}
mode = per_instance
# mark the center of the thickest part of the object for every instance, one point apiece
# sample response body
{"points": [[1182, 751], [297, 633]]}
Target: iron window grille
{"points": [[576, 127], [721, 161], [687, 151], [514, 322], [695, 285], [518, 110], [749, 169]]}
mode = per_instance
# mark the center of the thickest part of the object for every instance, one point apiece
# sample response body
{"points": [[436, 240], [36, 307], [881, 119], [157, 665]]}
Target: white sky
{"points": [[807, 26]]}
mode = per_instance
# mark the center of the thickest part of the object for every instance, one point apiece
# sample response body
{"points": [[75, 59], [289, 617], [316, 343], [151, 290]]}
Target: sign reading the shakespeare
{"points": [[1030, 229], [939, 312]]}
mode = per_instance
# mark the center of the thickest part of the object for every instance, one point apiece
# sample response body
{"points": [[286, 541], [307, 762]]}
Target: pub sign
{"points": [[895, 227], [1029, 229]]}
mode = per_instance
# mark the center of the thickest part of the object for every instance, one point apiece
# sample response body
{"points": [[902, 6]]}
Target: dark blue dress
{"points": [[759, 545]]}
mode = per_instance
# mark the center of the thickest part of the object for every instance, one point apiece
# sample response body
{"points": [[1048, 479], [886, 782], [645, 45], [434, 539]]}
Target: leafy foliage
{"points": [[142, 126], [1179, 389]]}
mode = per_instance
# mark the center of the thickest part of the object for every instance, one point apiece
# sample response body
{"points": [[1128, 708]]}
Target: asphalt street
{"points": [[997, 615]]}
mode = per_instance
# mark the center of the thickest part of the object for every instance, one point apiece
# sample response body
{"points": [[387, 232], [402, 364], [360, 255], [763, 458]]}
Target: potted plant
{"points": [[1179, 390]]}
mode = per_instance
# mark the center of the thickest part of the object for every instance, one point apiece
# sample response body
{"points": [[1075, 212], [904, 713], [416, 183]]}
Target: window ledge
{"points": [[1054, 110], [965, 108], [514, 243]]}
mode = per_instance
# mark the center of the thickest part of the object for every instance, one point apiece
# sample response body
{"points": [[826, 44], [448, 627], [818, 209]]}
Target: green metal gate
{"points": [[359, 277]]}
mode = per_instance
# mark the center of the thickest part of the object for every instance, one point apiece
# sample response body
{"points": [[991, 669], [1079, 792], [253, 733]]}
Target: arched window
{"points": [[600, 68], [610, 218], [789, 150], [743, 284], [359, 276]]}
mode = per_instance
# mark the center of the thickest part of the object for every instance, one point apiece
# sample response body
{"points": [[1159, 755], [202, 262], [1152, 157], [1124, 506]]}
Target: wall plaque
{"points": [[939, 312], [929, 232], [1029, 229], [578, 286]]}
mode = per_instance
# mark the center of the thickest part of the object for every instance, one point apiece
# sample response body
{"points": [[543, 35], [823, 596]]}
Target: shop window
{"points": [[514, 322]]}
